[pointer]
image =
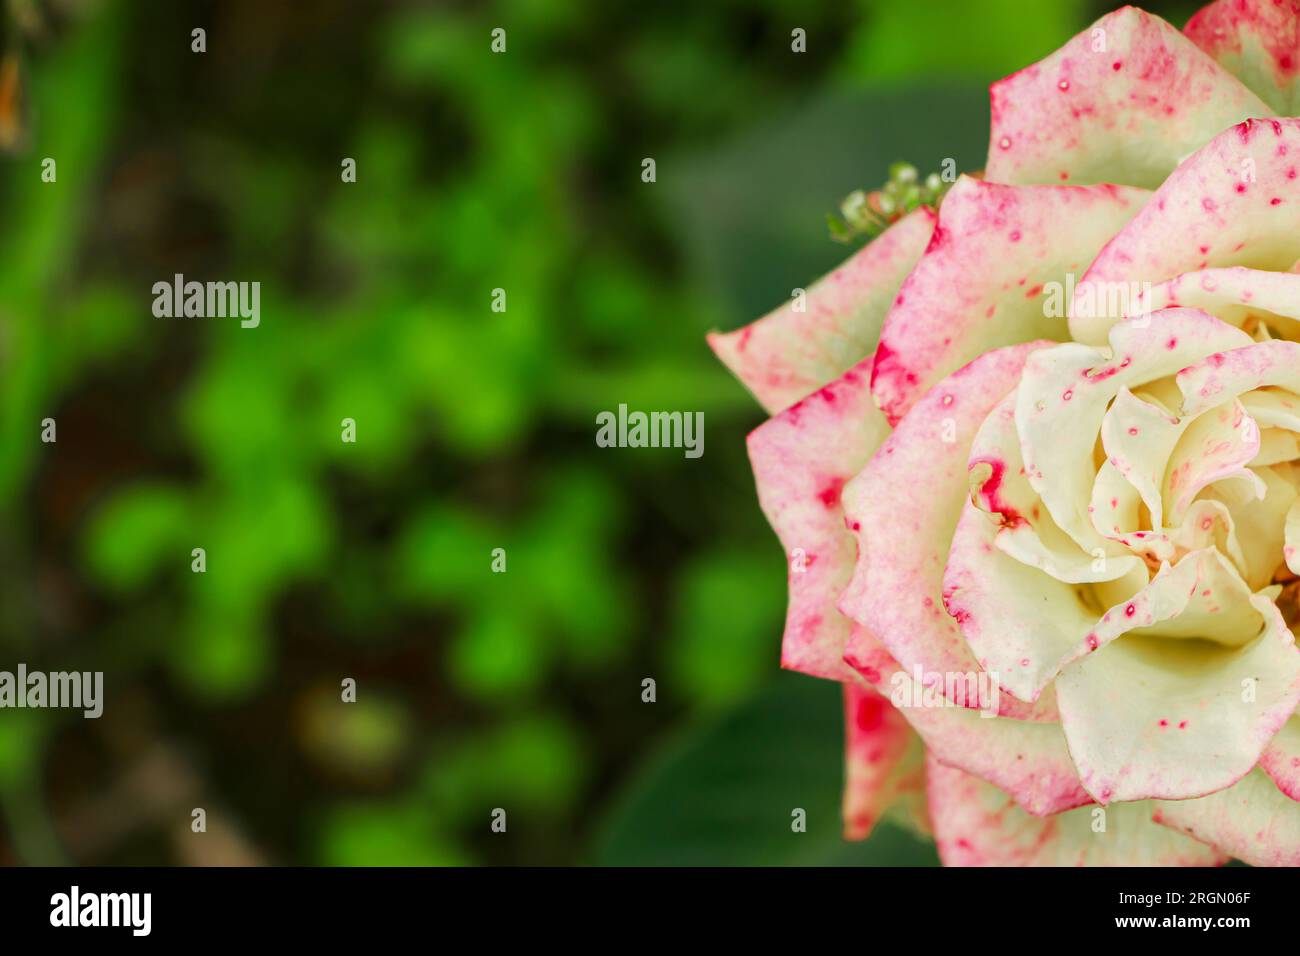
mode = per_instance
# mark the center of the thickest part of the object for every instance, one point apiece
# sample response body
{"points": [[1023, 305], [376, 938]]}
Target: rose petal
{"points": [[980, 284], [904, 506], [801, 459], [1258, 41], [1235, 295], [1260, 522], [1281, 759], [1138, 438], [1227, 374], [1276, 445], [976, 824], [1234, 202], [881, 759], [789, 353], [1215, 447], [1151, 717], [1252, 820], [1122, 102], [1274, 408], [1026, 759]]}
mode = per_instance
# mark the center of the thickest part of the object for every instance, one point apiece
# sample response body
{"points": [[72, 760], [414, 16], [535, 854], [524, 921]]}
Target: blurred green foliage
{"points": [[327, 560]]}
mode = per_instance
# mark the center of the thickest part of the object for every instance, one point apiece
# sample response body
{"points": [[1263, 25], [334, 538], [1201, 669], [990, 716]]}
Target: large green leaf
{"points": [[725, 794]]}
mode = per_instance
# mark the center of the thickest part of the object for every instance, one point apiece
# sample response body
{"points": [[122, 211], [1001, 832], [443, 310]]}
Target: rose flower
{"points": [[1035, 458]]}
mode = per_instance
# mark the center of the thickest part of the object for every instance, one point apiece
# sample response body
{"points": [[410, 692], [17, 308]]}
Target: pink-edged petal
{"points": [[810, 341], [976, 824], [1026, 759], [1236, 202], [1225, 375], [882, 759], [1258, 41], [1122, 102], [801, 460], [1215, 447], [1066, 391], [981, 283], [904, 507], [1251, 820], [1281, 758], [1174, 719], [1236, 295]]}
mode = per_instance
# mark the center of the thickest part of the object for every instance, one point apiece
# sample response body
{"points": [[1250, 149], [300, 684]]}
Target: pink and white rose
{"points": [[1065, 541]]}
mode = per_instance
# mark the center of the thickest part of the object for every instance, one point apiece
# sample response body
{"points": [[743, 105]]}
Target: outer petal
{"points": [[1150, 717], [1281, 759], [904, 507], [1252, 820], [980, 284], [801, 459], [976, 824], [1235, 202], [789, 353], [1122, 102], [1027, 759], [881, 759], [1258, 41]]}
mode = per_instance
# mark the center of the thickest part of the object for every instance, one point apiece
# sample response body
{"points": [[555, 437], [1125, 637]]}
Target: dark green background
{"points": [[475, 429]]}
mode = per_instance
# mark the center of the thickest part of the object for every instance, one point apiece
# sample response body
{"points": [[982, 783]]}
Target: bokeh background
{"points": [[475, 429]]}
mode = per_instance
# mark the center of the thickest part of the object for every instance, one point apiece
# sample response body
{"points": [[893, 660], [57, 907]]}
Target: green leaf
{"points": [[725, 795]]}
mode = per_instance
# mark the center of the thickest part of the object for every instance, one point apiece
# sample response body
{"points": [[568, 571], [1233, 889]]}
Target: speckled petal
{"points": [[1257, 41], [1234, 202], [1026, 759], [790, 353], [1150, 717], [801, 459], [1251, 820], [1122, 102], [882, 759], [904, 507], [1281, 759], [1225, 375], [976, 824], [1236, 295], [984, 281]]}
